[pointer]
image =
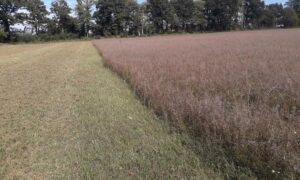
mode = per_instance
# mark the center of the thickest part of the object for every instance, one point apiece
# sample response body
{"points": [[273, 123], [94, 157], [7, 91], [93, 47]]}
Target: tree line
{"points": [[129, 18]]}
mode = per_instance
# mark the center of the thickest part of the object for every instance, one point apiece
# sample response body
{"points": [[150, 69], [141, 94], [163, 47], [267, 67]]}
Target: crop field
{"points": [[236, 90], [63, 115]]}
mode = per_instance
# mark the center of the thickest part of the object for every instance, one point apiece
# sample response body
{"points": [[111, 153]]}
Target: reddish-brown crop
{"points": [[241, 89]]}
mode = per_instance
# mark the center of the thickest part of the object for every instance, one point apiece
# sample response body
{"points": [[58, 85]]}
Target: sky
{"points": [[73, 2]]}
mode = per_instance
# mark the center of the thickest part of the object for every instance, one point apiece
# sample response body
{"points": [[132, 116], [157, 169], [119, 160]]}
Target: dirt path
{"points": [[64, 116]]}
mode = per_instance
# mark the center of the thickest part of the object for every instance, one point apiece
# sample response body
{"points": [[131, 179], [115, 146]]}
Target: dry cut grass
{"points": [[239, 90]]}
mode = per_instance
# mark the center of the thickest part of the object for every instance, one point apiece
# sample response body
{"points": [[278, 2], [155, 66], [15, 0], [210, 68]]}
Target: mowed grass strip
{"points": [[63, 115], [35, 110]]}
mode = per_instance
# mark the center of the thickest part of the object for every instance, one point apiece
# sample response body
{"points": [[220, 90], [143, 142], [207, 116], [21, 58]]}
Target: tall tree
{"points": [[116, 17], [84, 14], [132, 17], [37, 14], [9, 14], [295, 4], [141, 19], [290, 18], [277, 10], [161, 14], [146, 25], [61, 12], [266, 19], [3, 35], [253, 11], [103, 17], [184, 10], [199, 21], [222, 14]]}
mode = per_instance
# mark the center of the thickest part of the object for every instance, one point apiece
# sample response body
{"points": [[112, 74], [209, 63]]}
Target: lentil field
{"points": [[236, 90]]}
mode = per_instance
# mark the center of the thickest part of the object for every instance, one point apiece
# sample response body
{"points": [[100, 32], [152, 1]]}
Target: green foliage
{"points": [[116, 17], [266, 19], [61, 12], [57, 37], [295, 4], [3, 35], [103, 17], [221, 15], [25, 38], [259, 15], [188, 15], [162, 14], [84, 15], [184, 10], [134, 18], [29, 38], [9, 14], [290, 18], [37, 16], [253, 10], [199, 21], [277, 11]]}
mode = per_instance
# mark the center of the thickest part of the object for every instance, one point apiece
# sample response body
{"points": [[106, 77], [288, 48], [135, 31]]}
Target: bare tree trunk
{"points": [[36, 29], [6, 26], [7, 29], [143, 29], [87, 30]]}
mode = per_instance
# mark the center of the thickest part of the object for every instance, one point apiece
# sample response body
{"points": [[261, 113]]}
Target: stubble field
{"points": [[237, 90]]}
